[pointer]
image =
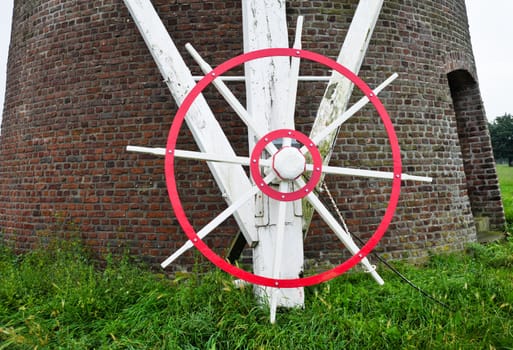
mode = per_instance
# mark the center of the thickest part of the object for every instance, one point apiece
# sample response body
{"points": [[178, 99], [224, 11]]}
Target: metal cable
{"points": [[382, 260]]}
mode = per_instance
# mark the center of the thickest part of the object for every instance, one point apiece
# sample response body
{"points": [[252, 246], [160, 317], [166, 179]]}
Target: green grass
{"points": [[506, 184], [57, 299]]}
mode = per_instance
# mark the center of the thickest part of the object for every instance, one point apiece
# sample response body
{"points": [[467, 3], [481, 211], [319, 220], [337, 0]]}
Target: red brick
{"points": [[81, 86]]}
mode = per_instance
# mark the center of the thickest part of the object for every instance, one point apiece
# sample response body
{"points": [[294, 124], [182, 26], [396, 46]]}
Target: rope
{"points": [[382, 260]]}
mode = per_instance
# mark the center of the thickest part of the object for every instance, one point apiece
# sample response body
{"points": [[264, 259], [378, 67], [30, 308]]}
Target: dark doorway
{"points": [[472, 125]]}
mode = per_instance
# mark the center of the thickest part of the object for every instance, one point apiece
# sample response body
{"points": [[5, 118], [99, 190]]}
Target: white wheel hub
{"points": [[289, 163]]}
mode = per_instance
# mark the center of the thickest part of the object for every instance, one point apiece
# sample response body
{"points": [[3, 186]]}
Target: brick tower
{"points": [[81, 86]]}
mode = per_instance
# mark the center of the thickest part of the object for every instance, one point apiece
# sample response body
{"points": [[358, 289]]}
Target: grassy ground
{"points": [[506, 183], [57, 299]]}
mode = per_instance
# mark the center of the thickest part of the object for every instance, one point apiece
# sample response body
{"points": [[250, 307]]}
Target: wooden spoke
{"points": [[337, 229], [319, 137], [209, 157], [218, 220], [243, 114], [368, 173], [278, 248], [294, 71], [157, 151], [205, 129]]}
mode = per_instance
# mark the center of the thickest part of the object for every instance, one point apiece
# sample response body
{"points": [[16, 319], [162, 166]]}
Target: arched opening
{"points": [[481, 177]]}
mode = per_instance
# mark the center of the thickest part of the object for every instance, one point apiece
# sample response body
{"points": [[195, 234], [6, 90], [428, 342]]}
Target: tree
{"points": [[501, 133]]}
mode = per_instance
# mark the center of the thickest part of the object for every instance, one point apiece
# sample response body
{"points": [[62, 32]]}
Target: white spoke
{"points": [[294, 72], [243, 114], [209, 157], [218, 220], [278, 249], [204, 127], [339, 231], [368, 173], [349, 113], [149, 150], [241, 78]]}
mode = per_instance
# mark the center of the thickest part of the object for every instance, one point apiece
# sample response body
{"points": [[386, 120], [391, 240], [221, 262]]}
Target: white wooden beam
{"points": [[205, 129], [351, 56], [339, 89], [268, 82], [265, 26]]}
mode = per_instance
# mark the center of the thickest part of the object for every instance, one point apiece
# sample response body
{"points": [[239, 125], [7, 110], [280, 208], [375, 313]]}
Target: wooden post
{"points": [[339, 90], [267, 95], [206, 131]]}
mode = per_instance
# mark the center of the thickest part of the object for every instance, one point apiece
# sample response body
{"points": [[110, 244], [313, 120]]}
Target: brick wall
{"points": [[82, 86]]}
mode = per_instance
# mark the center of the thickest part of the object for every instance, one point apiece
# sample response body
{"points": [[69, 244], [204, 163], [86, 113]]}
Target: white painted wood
{"points": [[326, 169], [218, 220], [253, 124], [344, 236], [268, 163], [242, 78], [207, 132], [328, 130], [156, 151], [351, 56], [339, 89], [265, 26], [209, 157], [267, 92], [289, 163], [294, 71], [279, 250]]}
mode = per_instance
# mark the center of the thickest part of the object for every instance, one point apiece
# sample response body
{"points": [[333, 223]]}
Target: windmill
{"points": [[285, 165]]}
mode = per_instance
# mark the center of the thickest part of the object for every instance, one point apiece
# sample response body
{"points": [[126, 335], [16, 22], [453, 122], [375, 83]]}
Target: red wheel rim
{"points": [[179, 210]]}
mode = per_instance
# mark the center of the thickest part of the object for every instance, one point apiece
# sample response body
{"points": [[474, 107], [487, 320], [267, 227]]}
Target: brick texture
{"points": [[82, 86]]}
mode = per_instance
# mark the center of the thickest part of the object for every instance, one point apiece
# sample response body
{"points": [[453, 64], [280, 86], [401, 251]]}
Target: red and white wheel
{"points": [[287, 165]]}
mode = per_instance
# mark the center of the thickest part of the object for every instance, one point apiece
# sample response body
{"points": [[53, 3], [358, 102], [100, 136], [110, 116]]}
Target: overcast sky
{"points": [[491, 27]]}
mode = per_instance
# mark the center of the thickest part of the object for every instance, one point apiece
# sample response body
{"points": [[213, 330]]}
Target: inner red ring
{"points": [[255, 165]]}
